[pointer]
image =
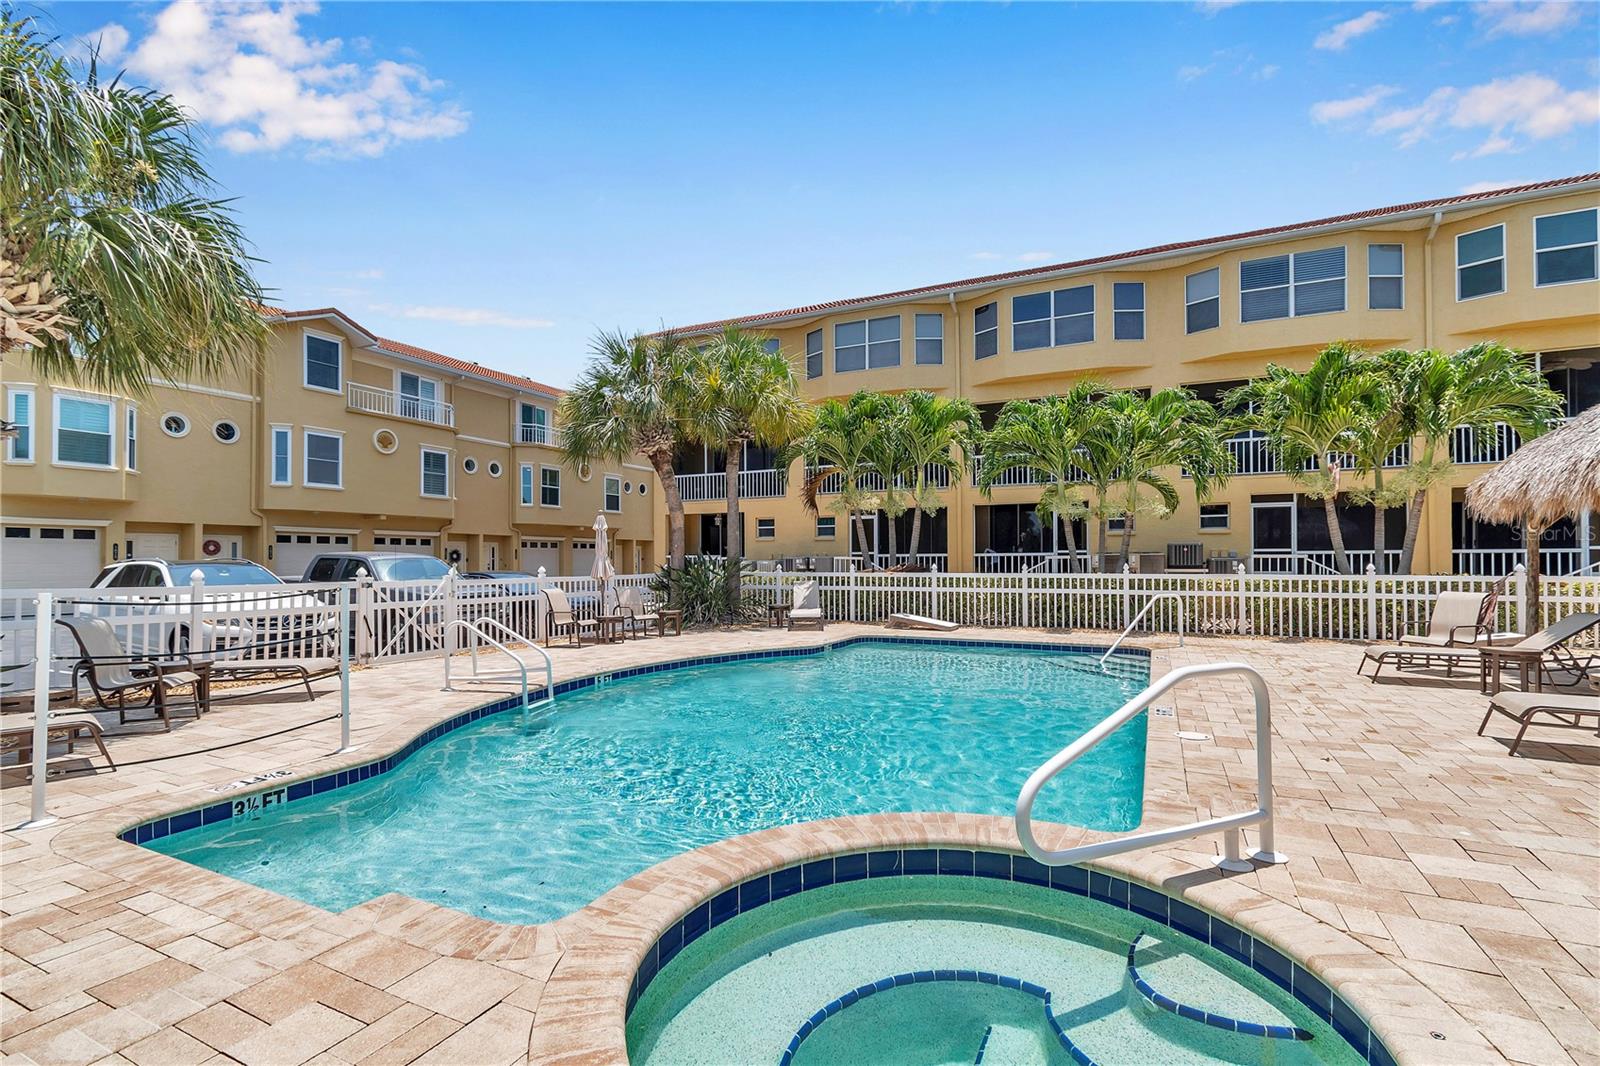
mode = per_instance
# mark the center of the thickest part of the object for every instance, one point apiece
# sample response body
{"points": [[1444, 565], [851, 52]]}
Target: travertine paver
{"points": [[1449, 888]]}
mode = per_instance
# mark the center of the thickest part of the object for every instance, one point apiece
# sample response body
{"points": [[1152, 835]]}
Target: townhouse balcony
{"points": [[549, 436], [1467, 446], [1254, 455], [1022, 476], [753, 485], [868, 481], [386, 402]]}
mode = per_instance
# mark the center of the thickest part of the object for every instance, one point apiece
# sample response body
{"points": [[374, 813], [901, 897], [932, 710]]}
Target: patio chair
{"points": [[68, 730], [1524, 707], [560, 614], [1547, 643], [630, 604], [112, 672], [1456, 621], [300, 671], [806, 607]]}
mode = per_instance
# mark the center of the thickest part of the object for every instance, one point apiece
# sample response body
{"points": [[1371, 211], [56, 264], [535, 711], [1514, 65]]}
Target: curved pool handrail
{"points": [[475, 628], [1151, 602], [1228, 825], [549, 663]]}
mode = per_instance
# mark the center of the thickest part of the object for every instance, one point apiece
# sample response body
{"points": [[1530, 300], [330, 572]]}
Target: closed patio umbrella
{"points": [[602, 570]]}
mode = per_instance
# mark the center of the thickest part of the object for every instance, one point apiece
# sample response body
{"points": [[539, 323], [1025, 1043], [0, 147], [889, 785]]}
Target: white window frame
{"points": [[1371, 276], [977, 334], [285, 431], [55, 431], [1188, 303], [538, 429], [607, 492], [1140, 310], [1054, 318], [305, 458], [867, 343], [401, 400], [130, 439], [1501, 259], [32, 424], [527, 485], [917, 338], [557, 471], [1294, 283], [1118, 523], [772, 529], [422, 472], [1563, 247], [305, 361], [820, 354], [180, 416], [1227, 518], [833, 527]]}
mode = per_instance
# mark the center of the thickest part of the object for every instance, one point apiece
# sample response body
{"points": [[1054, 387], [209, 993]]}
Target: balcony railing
{"points": [[1255, 455], [549, 436], [374, 401], [1467, 446], [868, 481], [753, 485], [1022, 475]]}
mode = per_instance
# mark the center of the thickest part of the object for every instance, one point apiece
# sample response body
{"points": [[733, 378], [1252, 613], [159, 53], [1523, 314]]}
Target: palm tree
{"points": [[1047, 437], [740, 393], [1315, 416], [835, 445], [938, 433], [128, 269], [1390, 423], [630, 400], [1145, 437], [1478, 387], [886, 459]]}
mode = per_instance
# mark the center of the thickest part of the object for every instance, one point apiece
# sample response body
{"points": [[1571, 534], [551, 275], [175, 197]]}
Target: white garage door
{"points": [[582, 558], [293, 552], [153, 546], [407, 543], [45, 557], [537, 553]]}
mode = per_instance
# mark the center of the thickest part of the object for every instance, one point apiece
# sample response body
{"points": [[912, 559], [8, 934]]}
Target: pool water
{"points": [[741, 993], [525, 818]]}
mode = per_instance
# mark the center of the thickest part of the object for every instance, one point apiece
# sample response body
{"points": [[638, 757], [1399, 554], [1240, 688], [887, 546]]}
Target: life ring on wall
{"points": [[211, 547]]}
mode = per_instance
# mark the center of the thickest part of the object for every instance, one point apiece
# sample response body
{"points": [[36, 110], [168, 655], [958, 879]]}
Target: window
{"points": [[83, 431], [1281, 286], [324, 463], [225, 431], [814, 354], [435, 473], [281, 457], [419, 397], [534, 425], [550, 486], [613, 487], [1564, 247], [1386, 277], [771, 345], [495, 469], [1119, 523], [527, 484], [1213, 517], [1481, 263], [19, 449], [470, 465], [1202, 301], [826, 524], [132, 442], [986, 331], [1051, 319], [929, 339], [174, 425], [766, 528], [1127, 310], [323, 363], [872, 343]]}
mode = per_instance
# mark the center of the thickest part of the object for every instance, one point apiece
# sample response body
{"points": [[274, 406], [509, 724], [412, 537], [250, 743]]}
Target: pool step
{"points": [[1216, 1021], [1006, 1046]]}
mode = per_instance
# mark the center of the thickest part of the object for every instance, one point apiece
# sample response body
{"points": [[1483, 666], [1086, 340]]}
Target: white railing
{"points": [[1228, 825], [480, 635], [1467, 446], [1029, 562], [753, 485], [880, 560], [1318, 562], [1498, 561], [1151, 602], [396, 405], [532, 433], [1023, 475], [937, 477]]}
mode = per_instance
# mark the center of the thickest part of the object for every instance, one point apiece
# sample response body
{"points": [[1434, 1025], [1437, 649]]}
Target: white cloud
{"points": [[250, 72], [1491, 186], [1493, 146], [371, 274], [1519, 19], [1190, 73], [1336, 39], [1036, 257], [1267, 73], [1349, 107], [465, 316], [1529, 107], [1211, 7]]}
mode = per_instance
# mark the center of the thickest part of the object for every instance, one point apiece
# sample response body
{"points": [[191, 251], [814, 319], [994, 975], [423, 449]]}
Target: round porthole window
{"points": [[174, 425], [470, 465], [584, 473], [627, 486], [641, 488], [385, 441], [495, 470], [225, 431]]}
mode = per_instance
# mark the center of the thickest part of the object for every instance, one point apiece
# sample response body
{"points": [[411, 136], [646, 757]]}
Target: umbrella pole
{"points": [[1532, 536]]}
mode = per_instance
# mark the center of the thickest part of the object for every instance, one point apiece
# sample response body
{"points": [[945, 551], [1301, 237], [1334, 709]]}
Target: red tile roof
{"points": [[1160, 249], [411, 351]]}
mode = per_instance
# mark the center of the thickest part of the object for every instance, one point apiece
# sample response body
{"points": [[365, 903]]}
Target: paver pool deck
{"points": [[1450, 891]]}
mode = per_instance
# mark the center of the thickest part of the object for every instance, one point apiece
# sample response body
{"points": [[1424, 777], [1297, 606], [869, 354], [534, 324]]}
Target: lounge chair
{"points": [[560, 614], [1457, 621], [806, 607], [111, 671], [1522, 707], [1545, 646], [918, 621], [300, 671], [636, 616], [68, 730]]}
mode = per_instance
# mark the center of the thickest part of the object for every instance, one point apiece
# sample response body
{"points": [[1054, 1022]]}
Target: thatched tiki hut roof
{"points": [[1554, 477]]}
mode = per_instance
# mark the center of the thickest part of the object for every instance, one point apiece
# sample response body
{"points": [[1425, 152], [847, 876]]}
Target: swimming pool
{"points": [[524, 820]]}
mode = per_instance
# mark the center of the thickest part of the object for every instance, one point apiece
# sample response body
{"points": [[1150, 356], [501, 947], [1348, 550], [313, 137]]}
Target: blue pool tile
{"points": [[696, 923], [217, 812], [1348, 1024], [1107, 889], [785, 882], [1029, 871], [1310, 990], [130, 835], [1190, 919], [1252, 1028], [670, 944], [1230, 941], [1221, 1021], [324, 784], [1186, 1011], [1070, 879], [299, 790], [724, 906], [991, 864], [1377, 1054], [1147, 902], [817, 874], [1270, 961], [850, 867], [186, 820], [952, 861], [754, 892], [921, 861], [647, 969]]}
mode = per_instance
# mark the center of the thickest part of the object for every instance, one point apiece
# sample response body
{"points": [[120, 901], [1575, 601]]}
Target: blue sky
{"points": [[499, 181]]}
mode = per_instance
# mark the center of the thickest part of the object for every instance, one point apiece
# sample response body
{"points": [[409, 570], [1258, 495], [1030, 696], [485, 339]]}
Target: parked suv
{"points": [[380, 566], [402, 620], [285, 623]]}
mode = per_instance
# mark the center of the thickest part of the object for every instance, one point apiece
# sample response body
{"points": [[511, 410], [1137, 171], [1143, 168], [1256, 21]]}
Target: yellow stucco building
{"points": [[1514, 265]]}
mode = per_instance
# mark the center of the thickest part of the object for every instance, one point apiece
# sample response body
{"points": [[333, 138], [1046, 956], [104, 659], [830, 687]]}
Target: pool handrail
{"points": [[1228, 825], [476, 629], [1151, 602]]}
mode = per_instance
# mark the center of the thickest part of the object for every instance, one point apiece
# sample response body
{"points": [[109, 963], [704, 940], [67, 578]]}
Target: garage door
{"points": [[537, 553], [153, 546], [46, 557], [293, 552], [407, 543], [582, 557]]}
